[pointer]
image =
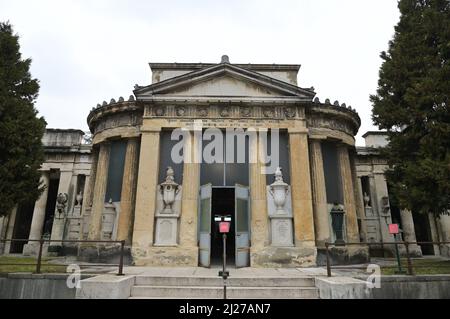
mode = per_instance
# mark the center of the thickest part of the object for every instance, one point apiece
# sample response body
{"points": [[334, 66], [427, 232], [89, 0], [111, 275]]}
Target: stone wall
{"points": [[34, 286], [392, 287]]}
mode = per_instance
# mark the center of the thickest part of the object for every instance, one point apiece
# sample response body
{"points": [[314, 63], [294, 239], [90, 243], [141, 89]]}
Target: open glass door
{"points": [[242, 226], [204, 236]]}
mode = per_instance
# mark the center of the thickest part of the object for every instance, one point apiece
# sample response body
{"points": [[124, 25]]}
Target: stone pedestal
{"points": [[86, 219], [166, 230], [168, 200], [281, 230], [74, 222], [59, 221], [280, 212], [108, 221]]}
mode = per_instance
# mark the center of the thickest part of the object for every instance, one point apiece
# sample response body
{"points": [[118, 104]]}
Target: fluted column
{"points": [[146, 192], [409, 233], [128, 194], [444, 227], [88, 193], [259, 217], [319, 192], [191, 186], [301, 188], [98, 201], [37, 222], [348, 194]]}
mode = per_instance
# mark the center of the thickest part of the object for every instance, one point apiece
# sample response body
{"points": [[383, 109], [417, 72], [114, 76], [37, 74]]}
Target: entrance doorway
{"points": [[224, 201], [222, 205], [22, 226]]}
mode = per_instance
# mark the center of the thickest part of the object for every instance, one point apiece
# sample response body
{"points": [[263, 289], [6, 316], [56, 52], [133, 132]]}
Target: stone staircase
{"points": [[189, 287]]}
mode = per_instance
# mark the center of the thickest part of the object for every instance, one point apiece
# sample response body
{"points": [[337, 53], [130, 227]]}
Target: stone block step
{"points": [[231, 282], [194, 292]]}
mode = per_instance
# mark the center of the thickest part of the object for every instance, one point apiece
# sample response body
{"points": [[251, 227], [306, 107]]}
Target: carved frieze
{"points": [[225, 111], [118, 120]]}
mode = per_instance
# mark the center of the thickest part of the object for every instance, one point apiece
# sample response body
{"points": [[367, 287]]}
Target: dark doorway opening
{"points": [[423, 232], [222, 205], [22, 226], [50, 206]]}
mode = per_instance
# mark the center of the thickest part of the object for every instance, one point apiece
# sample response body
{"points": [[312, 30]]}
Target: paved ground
{"points": [[213, 272]]}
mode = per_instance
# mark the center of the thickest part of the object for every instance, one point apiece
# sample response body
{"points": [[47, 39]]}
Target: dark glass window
{"points": [[232, 169], [165, 158], [115, 170], [331, 171], [283, 156]]}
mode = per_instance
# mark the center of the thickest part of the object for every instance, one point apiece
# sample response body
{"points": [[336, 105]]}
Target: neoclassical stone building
{"points": [[130, 184]]}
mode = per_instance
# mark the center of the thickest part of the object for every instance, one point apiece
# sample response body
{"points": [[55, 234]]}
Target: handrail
{"points": [[41, 244], [405, 243]]}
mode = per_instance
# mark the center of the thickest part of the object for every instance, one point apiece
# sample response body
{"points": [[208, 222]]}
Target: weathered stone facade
{"points": [[168, 219]]}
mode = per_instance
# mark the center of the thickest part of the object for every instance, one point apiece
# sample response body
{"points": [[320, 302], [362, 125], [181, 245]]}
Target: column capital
{"points": [[298, 130], [150, 129], [317, 138]]}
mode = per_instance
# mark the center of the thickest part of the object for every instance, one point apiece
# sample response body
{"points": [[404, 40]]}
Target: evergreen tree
{"points": [[412, 104], [21, 131]]}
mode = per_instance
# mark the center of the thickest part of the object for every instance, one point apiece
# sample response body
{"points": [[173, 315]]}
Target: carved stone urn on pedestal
{"points": [[166, 232], [282, 234]]}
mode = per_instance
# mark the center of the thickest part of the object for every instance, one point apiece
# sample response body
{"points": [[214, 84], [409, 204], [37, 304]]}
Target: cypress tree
{"points": [[21, 129], [412, 104]]}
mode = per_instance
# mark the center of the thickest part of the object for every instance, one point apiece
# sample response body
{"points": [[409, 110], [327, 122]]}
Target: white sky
{"points": [[85, 52]]}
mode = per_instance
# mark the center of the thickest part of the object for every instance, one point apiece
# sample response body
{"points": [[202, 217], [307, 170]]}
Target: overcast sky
{"points": [[85, 52]]}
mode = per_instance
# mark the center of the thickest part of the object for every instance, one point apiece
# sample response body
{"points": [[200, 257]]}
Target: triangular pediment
{"points": [[223, 80]]}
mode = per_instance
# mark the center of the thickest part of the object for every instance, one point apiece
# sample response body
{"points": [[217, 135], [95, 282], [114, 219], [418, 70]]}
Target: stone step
{"points": [[194, 292], [231, 282]]}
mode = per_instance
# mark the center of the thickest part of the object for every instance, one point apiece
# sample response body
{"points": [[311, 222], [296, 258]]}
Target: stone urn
{"points": [[169, 190], [79, 198], [366, 200], [279, 191], [108, 220], [337, 223]]}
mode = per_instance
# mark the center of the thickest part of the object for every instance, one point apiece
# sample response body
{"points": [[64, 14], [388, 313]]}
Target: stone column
{"points": [[99, 191], [348, 194], [409, 233], [444, 227], [59, 221], [432, 221], [88, 194], [258, 204], [3, 226], [190, 191], [302, 207], [362, 209], [128, 195], [37, 223], [146, 192], [10, 229], [319, 193]]}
